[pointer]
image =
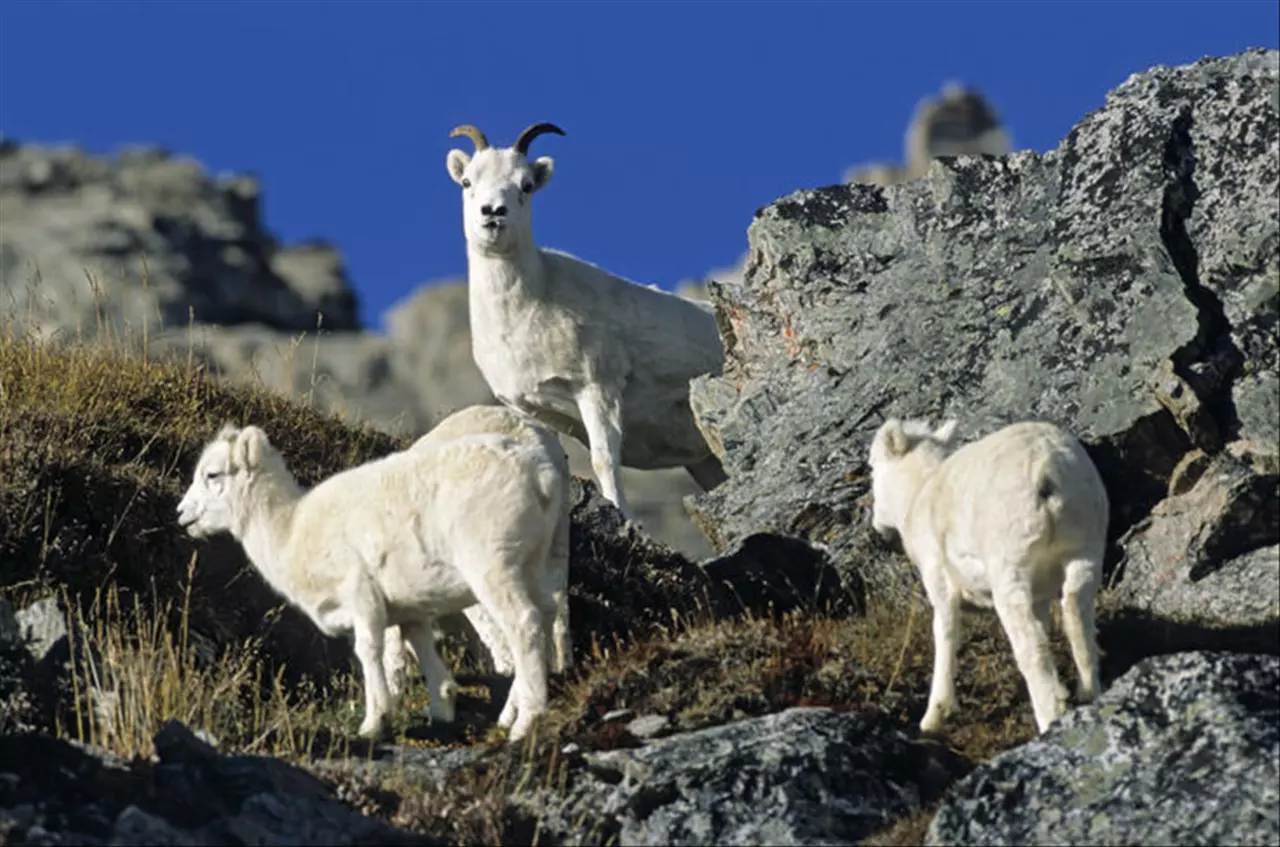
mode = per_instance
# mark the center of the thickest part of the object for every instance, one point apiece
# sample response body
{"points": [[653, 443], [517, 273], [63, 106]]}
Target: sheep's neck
{"points": [[519, 274], [267, 526]]}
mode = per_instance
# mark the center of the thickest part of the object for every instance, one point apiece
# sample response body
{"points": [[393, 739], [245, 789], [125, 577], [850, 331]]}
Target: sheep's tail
{"points": [[1049, 497]]}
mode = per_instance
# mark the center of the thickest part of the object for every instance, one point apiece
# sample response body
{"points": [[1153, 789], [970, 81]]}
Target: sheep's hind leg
{"points": [[440, 683], [369, 640], [1079, 593], [557, 587], [492, 638], [1030, 643], [1044, 615], [395, 662], [602, 418], [507, 600]]}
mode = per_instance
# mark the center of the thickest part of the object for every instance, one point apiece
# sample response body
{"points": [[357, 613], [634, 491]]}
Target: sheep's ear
{"points": [[944, 432], [249, 447], [457, 162], [228, 432], [895, 440], [543, 168]]}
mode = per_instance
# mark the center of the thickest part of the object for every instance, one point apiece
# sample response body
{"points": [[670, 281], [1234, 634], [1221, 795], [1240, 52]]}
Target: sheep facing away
{"points": [[399, 541], [501, 420], [585, 352], [1011, 521]]}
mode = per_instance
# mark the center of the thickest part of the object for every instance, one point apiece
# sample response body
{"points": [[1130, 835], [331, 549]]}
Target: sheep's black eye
{"points": [[466, 183], [213, 474], [527, 187]]}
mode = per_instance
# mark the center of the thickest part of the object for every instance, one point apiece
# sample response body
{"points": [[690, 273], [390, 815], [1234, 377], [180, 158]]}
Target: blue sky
{"points": [[682, 118]]}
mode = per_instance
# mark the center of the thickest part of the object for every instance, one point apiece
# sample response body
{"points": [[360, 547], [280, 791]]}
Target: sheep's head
{"points": [[497, 185], [902, 454], [223, 475]]}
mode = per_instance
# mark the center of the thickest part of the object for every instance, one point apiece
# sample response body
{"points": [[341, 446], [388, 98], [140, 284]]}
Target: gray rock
{"points": [[43, 627], [803, 776], [1183, 749], [1207, 557], [648, 726], [1097, 286], [77, 228]]}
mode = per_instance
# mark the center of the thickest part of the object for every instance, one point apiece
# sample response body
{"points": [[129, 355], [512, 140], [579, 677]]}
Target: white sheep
{"points": [[1014, 520], [587, 353], [398, 541], [500, 420]]}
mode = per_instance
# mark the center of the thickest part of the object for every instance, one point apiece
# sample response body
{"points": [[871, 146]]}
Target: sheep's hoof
{"points": [[508, 716], [373, 730], [442, 709], [931, 723]]}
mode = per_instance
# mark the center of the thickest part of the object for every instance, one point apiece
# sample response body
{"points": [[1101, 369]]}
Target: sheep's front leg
{"points": [[441, 685], [602, 419], [1079, 595], [369, 638], [1030, 643]]}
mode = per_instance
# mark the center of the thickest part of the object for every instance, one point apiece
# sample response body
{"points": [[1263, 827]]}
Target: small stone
{"points": [[648, 726], [571, 748], [616, 715]]}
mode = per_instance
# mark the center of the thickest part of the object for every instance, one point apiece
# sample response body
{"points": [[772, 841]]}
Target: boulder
{"points": [[1183, 749], [802, 776]]}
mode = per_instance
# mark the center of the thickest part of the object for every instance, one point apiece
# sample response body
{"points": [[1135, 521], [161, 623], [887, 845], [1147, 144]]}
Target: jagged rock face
{"points": [[1123, 286], [802, 776], [67, 215], [1183, 749]]}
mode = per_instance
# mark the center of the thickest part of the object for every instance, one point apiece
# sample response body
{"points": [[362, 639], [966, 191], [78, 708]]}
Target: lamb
{"points": [[508, 422], [1013, 521], [587, 353], [399, 541]]}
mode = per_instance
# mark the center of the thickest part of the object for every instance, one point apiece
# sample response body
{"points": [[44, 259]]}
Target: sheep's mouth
{"points": [[494, 226]]}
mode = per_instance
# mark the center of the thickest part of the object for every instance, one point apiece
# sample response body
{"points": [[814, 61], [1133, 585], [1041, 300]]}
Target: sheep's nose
{"points": [[492, 211]]}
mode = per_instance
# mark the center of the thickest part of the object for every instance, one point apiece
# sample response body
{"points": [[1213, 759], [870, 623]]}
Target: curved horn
{"points": [[474, 134], [522, 143]]}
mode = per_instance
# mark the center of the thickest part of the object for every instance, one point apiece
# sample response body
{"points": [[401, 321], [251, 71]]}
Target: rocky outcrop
{"points": [[1183, 749], [1123, 285], [802, 776], [149, 238]]}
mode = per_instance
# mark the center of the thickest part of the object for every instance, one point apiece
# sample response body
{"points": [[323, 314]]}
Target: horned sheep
{"points": [[1014, 520], [585, 352], [399, 541]]}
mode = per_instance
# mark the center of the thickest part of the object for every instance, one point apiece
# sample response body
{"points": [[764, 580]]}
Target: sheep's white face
{"points": [[497, 187], [895, 478], [220, 478]]}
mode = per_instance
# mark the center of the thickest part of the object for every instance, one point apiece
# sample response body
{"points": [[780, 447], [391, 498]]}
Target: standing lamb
{"points": [[398, 541], [1014, 520], [587, 353], [503, 421]]}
